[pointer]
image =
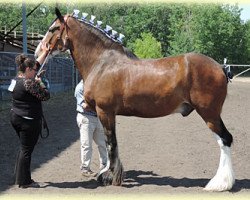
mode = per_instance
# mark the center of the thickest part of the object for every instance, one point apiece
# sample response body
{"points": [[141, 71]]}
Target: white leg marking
{"points": [[224, 178], [106, 168]]}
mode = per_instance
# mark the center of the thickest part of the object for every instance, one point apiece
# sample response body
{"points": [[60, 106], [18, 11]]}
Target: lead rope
{"points": [[44, 122], [45, 125], [39, 71]]}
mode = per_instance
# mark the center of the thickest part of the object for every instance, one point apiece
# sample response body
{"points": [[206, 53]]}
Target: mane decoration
{"points": [[108, 31]]}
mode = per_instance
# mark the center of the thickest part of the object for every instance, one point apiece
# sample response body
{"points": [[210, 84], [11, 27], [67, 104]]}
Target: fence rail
{"points": [[237, 69], [60, 72]]}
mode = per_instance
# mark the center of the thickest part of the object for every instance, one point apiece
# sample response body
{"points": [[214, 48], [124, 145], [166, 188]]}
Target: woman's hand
{"points": [[41, 73], [86, 107], [39, 80], [45, 47]]}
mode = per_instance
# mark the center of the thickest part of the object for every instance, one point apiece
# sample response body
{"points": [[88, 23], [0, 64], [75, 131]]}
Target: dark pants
{"points": [[28, 132]]}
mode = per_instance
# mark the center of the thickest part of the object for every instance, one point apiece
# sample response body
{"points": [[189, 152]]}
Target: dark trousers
{"points": [[28, 132]]}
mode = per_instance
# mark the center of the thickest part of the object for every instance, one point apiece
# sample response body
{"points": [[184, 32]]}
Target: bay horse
{"points": [[116, 82]]}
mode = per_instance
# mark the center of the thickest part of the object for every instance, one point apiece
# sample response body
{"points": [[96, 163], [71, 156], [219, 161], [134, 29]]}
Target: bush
{"points": [[147, 47]]}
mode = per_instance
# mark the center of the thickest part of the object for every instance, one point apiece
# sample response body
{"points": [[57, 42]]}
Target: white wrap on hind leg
{"points": [[224, 178], [106, 168]]}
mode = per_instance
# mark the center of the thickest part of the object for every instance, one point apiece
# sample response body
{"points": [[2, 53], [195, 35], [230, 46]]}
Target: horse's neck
{"points": [[85, 48]]}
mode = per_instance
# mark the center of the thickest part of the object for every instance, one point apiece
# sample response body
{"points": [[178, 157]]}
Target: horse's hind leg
{"points": [[224, 178], [113, 173]]}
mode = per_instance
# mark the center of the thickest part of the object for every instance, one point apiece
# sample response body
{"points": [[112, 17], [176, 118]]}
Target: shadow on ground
{"points": [[139, 178], [60, 115]]}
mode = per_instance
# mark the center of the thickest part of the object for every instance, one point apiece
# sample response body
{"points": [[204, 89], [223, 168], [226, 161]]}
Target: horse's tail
{"points": [[229, 75]]}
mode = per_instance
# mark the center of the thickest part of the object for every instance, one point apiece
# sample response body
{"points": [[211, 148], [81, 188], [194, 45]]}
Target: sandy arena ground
{"points": [[165, 156]]}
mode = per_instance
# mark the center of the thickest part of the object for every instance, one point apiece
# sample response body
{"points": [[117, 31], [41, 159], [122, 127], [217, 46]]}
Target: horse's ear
{"points": [[59, 15]]}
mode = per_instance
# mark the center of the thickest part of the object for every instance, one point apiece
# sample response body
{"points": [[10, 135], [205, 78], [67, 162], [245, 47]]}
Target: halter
{"points": [[59, 37]]}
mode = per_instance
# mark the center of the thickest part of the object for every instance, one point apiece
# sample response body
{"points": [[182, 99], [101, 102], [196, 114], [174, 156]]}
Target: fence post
{"points": [[24, 28]]}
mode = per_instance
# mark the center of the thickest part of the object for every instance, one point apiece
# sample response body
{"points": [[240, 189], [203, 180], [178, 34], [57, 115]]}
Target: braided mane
{"points": [[108, 41]]}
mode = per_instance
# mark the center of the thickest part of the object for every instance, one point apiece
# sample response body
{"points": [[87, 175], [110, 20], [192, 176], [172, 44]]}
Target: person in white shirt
{"points": [[90, 129]]}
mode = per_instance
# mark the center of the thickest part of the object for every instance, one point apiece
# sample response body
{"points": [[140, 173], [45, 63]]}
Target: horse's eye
{"points": [[52, 30]]}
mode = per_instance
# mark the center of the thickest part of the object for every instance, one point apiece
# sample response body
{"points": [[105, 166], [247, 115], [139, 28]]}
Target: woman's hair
{"points": [[23, 62]]}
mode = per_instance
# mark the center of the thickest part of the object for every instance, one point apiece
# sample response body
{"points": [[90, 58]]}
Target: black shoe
{"points": [[33, 184]]}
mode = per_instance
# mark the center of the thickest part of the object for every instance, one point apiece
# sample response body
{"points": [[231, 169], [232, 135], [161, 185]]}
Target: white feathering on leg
{"points": [[224, 178], [106, 168]]}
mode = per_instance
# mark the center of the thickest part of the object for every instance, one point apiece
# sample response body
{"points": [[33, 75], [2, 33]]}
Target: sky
{"points": [[245, 13]]}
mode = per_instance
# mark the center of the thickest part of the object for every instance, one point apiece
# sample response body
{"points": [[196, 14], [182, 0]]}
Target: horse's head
{"points": [[56, 37]]}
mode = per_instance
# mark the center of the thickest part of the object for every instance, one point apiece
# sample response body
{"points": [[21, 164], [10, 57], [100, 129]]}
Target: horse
{"points": [[116, 82]]}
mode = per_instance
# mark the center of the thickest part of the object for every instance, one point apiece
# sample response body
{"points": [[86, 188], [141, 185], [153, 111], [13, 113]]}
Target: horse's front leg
{"points": [[113, 172]]}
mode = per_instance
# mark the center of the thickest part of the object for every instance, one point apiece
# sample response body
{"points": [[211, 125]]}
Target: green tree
{"points": [[247, 41], [181, 33], [147, 47], [10, 15], [212, 29], [220, 32]]}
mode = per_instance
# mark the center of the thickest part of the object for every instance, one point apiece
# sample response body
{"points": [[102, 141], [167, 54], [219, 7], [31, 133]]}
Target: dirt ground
{"points": [[171, 155]]}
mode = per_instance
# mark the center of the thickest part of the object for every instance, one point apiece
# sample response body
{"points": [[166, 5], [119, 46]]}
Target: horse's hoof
{"points": [[105, 178], [115, 183], [118, 176], [117, 180], [220, 184]]}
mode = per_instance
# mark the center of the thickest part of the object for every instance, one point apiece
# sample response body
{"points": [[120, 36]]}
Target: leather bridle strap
{"points": [[59, 36], [62, 27]]}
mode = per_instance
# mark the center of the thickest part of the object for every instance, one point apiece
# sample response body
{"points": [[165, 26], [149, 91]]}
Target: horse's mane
{"points": [[129, 53], [108, 41]]}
